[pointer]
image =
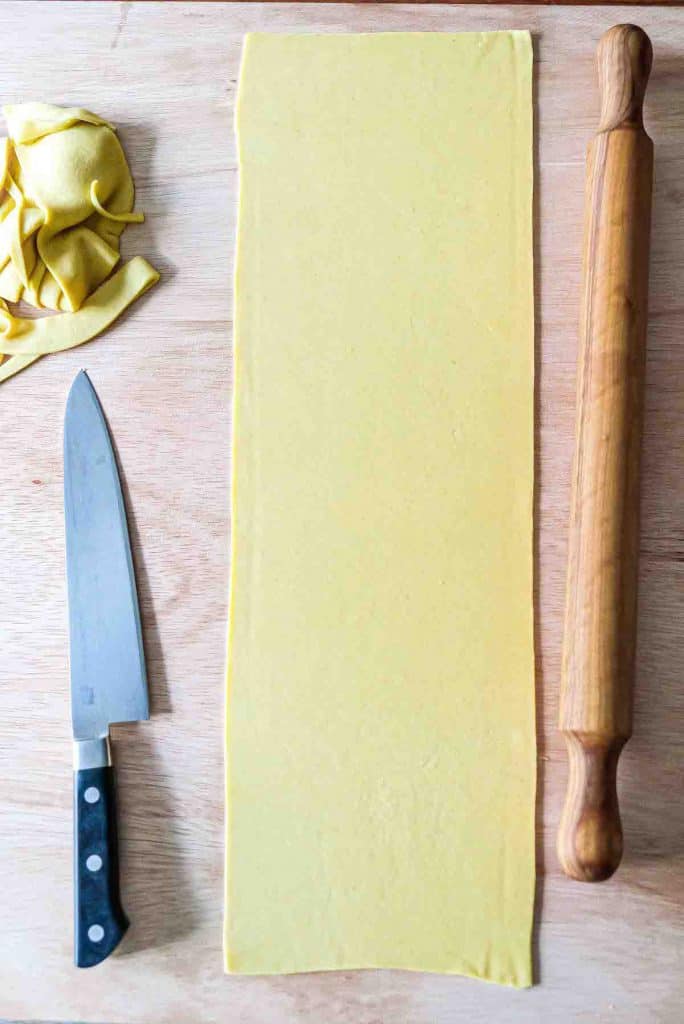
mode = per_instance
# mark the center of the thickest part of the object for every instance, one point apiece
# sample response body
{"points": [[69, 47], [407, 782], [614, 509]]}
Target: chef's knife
{"points": [[108, 681]]}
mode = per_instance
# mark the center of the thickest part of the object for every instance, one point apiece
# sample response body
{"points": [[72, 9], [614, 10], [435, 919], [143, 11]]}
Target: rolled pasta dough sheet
{"points": [[380, 714]]}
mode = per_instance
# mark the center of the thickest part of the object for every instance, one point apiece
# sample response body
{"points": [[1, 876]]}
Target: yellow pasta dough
{"points": [[380, 714], [68, 195]]}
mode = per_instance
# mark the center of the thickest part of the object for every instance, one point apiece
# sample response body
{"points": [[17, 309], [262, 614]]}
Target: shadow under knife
{"points": [[156, 887]]}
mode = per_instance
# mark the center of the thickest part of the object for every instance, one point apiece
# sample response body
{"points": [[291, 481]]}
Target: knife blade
{"points": [[107, 663]]}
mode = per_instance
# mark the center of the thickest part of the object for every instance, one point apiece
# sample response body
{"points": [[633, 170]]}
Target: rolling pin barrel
{"points": [[600, 622]]}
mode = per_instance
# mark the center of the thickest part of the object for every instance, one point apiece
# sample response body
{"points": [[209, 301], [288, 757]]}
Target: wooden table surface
{"points": [[166, 74]]}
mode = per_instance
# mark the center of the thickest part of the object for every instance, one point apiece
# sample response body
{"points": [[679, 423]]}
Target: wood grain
{"points": [[597, 675], [551, 3], [166, 75]]}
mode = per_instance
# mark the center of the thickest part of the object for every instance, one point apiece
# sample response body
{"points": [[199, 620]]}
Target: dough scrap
{"points": [[68, 195]]}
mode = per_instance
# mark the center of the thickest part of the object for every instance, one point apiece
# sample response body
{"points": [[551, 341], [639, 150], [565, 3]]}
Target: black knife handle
{"points": [[99, 919]]}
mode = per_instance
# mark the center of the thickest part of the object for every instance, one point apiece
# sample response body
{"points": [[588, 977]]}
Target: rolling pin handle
{"points": [[624, 57], [590, 835]]}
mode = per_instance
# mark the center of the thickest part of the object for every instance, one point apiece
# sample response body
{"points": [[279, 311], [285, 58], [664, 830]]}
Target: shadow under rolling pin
{"points": [[600, 622]]}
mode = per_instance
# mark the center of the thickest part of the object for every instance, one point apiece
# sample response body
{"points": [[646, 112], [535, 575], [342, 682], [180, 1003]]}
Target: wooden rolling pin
{"points": [[600, 622]]}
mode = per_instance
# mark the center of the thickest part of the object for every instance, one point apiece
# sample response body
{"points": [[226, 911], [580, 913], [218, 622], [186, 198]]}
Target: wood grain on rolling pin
{"points": [[600, 628]]}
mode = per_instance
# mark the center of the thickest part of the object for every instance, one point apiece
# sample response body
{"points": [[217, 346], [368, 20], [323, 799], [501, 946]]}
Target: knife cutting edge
{"points": [[107, 663]]}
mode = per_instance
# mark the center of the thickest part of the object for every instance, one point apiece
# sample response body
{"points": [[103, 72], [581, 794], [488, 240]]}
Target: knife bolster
{"points": [[92, 753]]}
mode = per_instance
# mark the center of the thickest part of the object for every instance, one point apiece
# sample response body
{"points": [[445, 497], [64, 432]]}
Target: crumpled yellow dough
{"points": [[68, 195], [380, 719]]}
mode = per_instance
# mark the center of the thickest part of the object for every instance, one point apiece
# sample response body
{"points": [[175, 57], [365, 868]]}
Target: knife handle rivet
{"points": [[96, 933], [92, 795], [94, 862]]}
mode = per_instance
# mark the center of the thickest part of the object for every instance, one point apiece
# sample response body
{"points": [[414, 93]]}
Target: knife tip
{"points": [[82, 394], [80, 380]]}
